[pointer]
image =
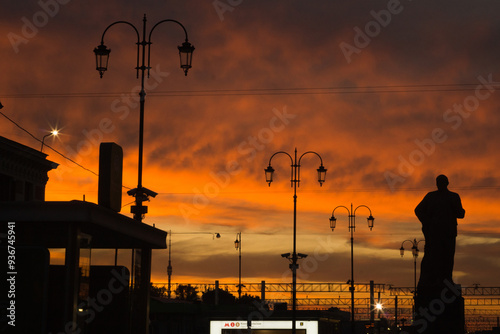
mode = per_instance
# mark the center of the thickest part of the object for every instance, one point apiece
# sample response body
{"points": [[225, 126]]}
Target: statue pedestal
{"points": [[439, 309]]}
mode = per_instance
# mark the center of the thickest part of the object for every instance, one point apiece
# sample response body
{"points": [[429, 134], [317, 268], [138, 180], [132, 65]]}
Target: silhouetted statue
{"points": [[438, 303], [438, 213]]}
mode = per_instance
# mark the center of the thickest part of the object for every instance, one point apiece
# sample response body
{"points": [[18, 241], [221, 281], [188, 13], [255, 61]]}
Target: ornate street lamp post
{"points": [[102, 52], [414, 252], [295, 182], [141, 280], [352, 227]]}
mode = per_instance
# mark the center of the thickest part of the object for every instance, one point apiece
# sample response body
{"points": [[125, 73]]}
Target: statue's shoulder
{"points": [[433, 194]]}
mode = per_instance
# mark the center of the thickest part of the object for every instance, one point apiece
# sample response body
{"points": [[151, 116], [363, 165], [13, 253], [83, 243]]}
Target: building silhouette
{"points": [[75, 296]]}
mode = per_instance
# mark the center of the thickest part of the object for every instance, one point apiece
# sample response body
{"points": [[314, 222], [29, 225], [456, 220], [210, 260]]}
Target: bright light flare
{"points": [[53, 133], [379, 306]]}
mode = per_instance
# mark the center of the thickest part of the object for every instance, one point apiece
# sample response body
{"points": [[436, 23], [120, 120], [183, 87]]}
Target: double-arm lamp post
{"points": [[414, 252], [141, 194], [102, 52], [295, 182], [352, 227]]}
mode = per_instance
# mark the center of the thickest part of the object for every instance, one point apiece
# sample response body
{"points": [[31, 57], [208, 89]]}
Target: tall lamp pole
{"points": [[414, 252], [142, 280], [352, 227], [102, 52], [169, 267], [237, 245], [295, 182]]}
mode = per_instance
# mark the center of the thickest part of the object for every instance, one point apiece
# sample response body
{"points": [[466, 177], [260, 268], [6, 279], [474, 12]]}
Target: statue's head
{"points": [[442, 182]]}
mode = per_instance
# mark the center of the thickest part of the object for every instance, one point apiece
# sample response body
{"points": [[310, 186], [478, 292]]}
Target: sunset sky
{"points": [[390, 94]]}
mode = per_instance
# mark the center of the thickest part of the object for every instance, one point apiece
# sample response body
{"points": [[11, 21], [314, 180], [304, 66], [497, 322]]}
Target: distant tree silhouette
{"points": [[186, 292], [225, 297], [156, 291], [247, 299]]}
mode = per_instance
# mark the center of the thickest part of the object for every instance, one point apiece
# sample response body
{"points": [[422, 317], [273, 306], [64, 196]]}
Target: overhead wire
{"points": [[53, 149], [423, 88], [171, 193], [46, 145]]}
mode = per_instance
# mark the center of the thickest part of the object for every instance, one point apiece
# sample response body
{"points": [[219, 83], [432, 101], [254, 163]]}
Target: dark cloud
{"points": [[368, 117]]}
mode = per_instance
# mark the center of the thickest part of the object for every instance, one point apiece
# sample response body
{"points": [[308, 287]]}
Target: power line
{"points": [[46, 145], [381, 89], [53, 149], [346, 190]]}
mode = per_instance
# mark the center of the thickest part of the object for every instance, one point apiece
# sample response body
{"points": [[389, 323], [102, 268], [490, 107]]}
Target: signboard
{"points": [[110, 176], [263, 326]]}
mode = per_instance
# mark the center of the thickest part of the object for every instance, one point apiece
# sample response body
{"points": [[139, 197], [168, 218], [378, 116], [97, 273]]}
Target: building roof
{"points": [[47, 224], [23, 162], [12, 148]]}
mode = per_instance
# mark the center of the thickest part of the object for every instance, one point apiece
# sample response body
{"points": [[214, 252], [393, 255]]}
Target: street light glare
{"points": [[53, 132], [379, 306]]}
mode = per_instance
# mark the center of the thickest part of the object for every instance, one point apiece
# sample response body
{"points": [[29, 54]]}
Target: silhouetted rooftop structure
{"points": [[48, 224], [23, 172], [76, 296]]}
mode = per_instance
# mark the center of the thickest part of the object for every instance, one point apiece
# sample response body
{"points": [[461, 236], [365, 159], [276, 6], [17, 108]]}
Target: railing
{"points": [[281, 287]]}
